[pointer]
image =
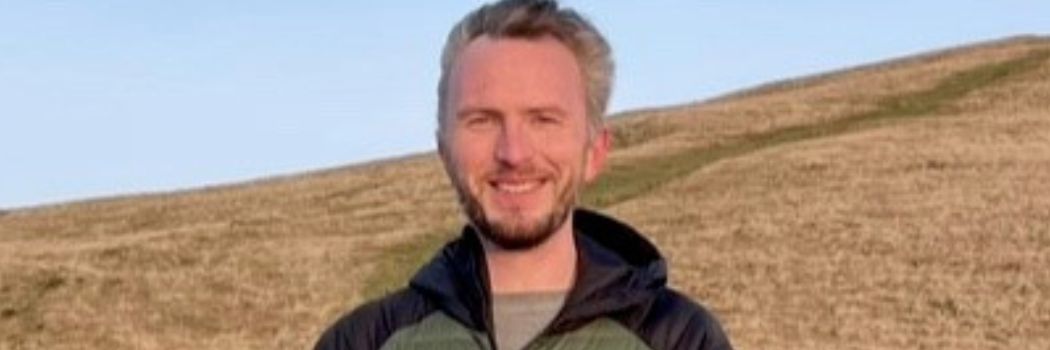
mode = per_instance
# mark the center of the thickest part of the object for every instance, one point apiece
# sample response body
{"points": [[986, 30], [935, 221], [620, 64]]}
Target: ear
{"points": [[597, 154]]}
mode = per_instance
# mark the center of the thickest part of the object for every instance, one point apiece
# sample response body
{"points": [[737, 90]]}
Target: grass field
{"points": [[903, 204]]}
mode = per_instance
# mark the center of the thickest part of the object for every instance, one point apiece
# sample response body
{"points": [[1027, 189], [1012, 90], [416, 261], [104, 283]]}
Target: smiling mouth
{"points": [[516, 186]]}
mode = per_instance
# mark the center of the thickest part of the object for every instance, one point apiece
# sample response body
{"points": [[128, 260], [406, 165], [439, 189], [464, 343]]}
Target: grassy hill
{"points": [[903, 204]]}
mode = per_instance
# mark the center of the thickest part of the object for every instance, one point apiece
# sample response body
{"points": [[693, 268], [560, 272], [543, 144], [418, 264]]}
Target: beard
{"points": [[516, 232]]}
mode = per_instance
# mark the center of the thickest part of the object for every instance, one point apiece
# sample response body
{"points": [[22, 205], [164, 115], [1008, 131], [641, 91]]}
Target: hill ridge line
{"points": [[803, 80]]}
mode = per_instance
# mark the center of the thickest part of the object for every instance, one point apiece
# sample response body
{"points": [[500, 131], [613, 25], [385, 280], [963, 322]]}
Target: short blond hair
{"points": [[531, 19]]}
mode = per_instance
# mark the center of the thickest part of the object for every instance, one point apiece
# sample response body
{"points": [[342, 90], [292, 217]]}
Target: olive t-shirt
{"points": [[519, 317]]}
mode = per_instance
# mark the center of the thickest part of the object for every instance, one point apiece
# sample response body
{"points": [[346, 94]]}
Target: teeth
{"points": [[517, 187]]}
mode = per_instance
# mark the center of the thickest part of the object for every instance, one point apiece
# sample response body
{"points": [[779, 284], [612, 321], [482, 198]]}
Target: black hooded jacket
{"points": [[619, 300]]}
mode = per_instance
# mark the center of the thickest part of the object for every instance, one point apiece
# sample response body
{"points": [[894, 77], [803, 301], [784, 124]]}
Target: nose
{"points": [[514, 146]]}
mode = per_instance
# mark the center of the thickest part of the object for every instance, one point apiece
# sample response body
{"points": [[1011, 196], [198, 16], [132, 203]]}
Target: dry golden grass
{"points": [[932, 234], [260, 265], [929, 231]]}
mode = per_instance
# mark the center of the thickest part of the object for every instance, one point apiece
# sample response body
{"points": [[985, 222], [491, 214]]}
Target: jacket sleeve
{"points": [[704, 332], [676, 322], [358, 330], [369, 326]]}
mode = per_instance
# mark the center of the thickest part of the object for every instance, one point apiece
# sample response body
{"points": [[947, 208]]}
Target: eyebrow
{"points": [[463, 113], [553, 110], [558, 111]]}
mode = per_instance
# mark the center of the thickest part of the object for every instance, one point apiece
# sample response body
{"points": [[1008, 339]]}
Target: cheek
{"points": [[471, 158], [566, 152]]}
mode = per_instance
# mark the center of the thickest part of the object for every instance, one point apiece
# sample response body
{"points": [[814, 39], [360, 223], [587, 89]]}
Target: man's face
{"points": [[516, 142]]}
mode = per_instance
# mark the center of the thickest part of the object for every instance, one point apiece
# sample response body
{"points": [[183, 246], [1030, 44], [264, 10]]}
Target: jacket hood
{"points": [[617, 270]]}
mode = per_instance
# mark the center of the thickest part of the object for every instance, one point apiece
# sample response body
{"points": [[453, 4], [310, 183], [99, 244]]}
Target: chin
{"points": [[519, 226], [514, 232]]}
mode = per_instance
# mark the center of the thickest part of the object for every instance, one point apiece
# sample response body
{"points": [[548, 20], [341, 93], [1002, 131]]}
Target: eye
{"points": [[482, 119], [546, 119], [477, 120]]}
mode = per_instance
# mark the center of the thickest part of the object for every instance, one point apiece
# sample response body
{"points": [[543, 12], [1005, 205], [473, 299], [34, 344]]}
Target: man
{"points": [[523, 89]]}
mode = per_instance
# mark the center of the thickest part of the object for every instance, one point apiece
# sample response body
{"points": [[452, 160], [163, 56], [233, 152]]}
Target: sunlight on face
{"points": [[516, 144]]}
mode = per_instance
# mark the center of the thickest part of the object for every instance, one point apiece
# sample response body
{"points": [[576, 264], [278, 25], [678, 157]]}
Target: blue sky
{"points": [[102, 98]]}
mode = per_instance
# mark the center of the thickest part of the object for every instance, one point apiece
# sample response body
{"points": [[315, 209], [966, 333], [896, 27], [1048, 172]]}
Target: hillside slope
{"points": [[901, 204]]}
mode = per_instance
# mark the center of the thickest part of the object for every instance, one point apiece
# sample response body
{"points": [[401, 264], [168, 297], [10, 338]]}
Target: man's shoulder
{"points": [[368, 326], [674, 321]]}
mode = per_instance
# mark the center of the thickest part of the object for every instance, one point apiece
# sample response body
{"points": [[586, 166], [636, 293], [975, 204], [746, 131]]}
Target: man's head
{"points": [[523, 89]]}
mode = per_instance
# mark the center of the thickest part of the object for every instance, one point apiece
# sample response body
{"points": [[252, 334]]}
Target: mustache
{"points": [[517, 172]]}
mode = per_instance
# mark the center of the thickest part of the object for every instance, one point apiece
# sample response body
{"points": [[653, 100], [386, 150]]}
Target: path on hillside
{"points": [[625, 182]]}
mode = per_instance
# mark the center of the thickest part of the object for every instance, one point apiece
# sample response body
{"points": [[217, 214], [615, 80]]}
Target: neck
{"points": [[548, 267]]}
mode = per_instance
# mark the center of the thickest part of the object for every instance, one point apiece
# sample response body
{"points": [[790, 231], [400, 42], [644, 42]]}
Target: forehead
{"points": [[514, 71]]}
